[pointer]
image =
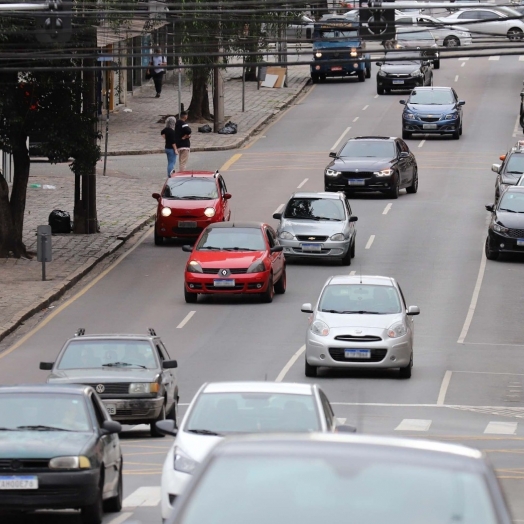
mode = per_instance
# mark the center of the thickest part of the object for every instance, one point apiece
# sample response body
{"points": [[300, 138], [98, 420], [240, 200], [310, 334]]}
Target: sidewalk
{"points": [[22, 292]]}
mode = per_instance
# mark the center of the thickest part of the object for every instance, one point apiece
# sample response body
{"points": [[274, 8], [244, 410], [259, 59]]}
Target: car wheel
{"points": [[380, 90], [395, 190], [406, 135], [310, 371], [158, 239], [368, 71], [190, 298], [173, 413], [406, 372], [515, 33], [94, 513], [436, 64], [269, 293], [353, 249], [280, 286], [346, 260], [154, 432], [361, 76], [314, 78], [456, 134], [451, 41], [413, 188], [460, 129], [491, 254], [114, 504]]}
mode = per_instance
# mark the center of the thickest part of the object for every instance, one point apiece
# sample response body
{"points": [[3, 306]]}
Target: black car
{"points": [[506, 229], [59, 449], [403, 71], [133, 374], [511, 169], [432, 110], [372, 163]]}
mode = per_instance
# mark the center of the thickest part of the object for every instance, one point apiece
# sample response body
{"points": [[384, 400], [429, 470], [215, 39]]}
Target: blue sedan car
{"points": [[432, 110]]}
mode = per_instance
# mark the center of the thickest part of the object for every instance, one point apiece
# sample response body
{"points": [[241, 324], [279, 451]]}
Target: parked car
{"points": [[59, 450], [190, 201], [511, 169], [318, 225], [308, 479], [409, 38], [360, 322], [133, 375], [223, 409], [403, 70], [301, 29]]}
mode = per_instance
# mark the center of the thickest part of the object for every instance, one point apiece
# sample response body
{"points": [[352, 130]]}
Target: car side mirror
{"points": [[110, 427], [277, 216], [169, 364], [495, 168], [167, 427], [461, 102], [490, 207], [345, 428], [46, 366], [276, 249], [403, 154], [402, 102], [187, 249], [413, 310], [332, 154], [502, 157], [353, 219], [156, 196], [379, 64], [227, 196], [306, 308]]}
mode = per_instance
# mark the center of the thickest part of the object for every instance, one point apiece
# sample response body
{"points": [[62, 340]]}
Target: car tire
{"points": [[353, 248], [406, 135], [154, 432], [395, 190], [94, 513], [368, 70], [361, 76], [460, 129], [158, 239], [451, 41], [436, 64], [310, 371], [280, 286], [515, 33], [114, 504], [406, 371], [456, 134], [491, 254], [380, 90], [189, 297], [269, 293], [413, 188], [314, 79], [346, 259], [173, 413]]}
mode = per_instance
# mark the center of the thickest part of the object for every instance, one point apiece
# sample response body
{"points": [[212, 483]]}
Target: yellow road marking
{"points": [[230, 162]]}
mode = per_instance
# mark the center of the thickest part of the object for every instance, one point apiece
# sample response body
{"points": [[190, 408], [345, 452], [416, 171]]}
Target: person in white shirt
{"points": [[158, 71]]}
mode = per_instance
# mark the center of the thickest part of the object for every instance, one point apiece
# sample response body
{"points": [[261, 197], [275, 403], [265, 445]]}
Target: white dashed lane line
{"points": [[290, 363], [335, 145], [456, 78], [356, 118], [414, 424], [351, 273], [364, 108], [370, 241], [386, 209], [464, 58], [463, 64], [521, 58], [278, 209], [302, 183], [494, 58], [186, 319], [376, 96], [421, 143]]}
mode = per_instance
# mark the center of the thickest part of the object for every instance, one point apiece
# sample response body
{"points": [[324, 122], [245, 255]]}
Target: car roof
{"points": [[362, 279], [514, 189], [113, 336], [372, 138], [259, 387], [69, 389], [194, 174], [227, 225], [432, 88], [320, 194]]}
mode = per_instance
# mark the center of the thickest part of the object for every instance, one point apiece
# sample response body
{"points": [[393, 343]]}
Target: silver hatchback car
{"points": [[360, 322], [318, 225]]}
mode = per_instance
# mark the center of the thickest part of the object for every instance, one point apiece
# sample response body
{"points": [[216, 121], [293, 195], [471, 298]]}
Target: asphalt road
{"points": [[468, 378]]}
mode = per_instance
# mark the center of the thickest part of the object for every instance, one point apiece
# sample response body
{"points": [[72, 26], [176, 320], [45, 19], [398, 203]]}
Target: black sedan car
{"points": [[403, 71], [511, 169], [372, 163], [432, 110], [59, 449], [506, 229]]}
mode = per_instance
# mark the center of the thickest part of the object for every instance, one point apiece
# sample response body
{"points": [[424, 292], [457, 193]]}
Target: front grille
{"points": [[188, 230], [233, 271], [18, 465], [357, 174], [237, 287], [324, 251], [112, 388], [361, 338], [43, 497], [131, 412], [377, 355], [398, 76], [429, 118], [516, 233], [311, 238]]}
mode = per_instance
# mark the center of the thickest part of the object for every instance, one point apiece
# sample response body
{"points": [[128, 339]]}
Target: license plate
{"points": [[357, 353], [19, 482], [356, 182], [111, 409], [520, 242], [225, 282], [187, 224], [429, 126], [336, 68], [312, 247], [398, 81]]}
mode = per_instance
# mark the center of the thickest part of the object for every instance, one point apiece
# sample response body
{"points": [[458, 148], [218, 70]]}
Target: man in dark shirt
{"points": [[169, 134], [183, 135]]}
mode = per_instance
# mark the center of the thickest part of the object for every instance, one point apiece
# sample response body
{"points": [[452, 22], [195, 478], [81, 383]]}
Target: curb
{"points": [[72, 279]]}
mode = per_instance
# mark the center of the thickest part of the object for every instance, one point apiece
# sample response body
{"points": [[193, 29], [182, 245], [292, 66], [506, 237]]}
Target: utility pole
{"points": [[218, 94]]}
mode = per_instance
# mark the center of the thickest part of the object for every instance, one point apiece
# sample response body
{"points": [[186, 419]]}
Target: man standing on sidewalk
{"points": [[158, 61], [183, 144]]}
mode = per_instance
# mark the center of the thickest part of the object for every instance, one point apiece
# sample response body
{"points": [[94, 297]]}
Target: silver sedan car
{"points": [[318, 225], [360, 322]]}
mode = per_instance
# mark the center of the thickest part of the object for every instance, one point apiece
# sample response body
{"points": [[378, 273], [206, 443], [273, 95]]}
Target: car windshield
{"points": [[191, 188], [232, 238], [431, 97], [43, 412], [372, 489], [315, 209], [85, 354], [515, 164], [403, 58], [512, 202], [360, 298], [415, 35], [369, 149], [223, 413]]}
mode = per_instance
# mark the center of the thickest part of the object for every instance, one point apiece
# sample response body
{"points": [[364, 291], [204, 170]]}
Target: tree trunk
{"points": [[199, 107]]}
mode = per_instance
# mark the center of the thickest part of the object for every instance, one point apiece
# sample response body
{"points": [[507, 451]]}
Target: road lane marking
{"points": [[414, 424], [474, 298], [463, 64], [365, 107], [230, 162], [376, 96], [340, 139], [464, 58], [143, 496], [386, 209], [494, 58], [356, 118], [288, 366], [75, 297], [278, 209], [351, 273], [186, 320], [521, 58], [421, 143], [444, 388], [302, 183], [501, 428], [456, 78], [370, 241], [121, 518]]}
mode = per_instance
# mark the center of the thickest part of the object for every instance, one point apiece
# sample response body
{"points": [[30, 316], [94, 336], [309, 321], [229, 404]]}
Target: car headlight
{"points": [[382, 73], [194, 267], [183, 463], [499, 228], [416, 73], [256, 267], [70, 463], [338, 237], [409, 116], [143, 387], [286, 235], [397, 330], [320, 328], [383, 172], [332, 172], [209, 212], [353, 51], [166, 211], [318, 54], [449, 116]]}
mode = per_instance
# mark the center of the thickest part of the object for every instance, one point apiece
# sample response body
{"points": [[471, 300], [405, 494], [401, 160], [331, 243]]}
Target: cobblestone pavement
{"points": [[22, 292]]}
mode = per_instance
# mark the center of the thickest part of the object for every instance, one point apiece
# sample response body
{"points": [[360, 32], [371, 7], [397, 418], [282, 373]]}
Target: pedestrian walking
{"points": [[158, 71], [169, 135], [183, 143]]}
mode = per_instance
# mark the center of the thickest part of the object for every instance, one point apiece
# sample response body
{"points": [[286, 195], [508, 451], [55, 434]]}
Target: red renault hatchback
{"points": [[235, 257], [190, 201]]}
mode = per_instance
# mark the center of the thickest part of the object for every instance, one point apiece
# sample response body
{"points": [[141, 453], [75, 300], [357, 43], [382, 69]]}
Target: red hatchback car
{"points": [[235, 257], [190, 201]]}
